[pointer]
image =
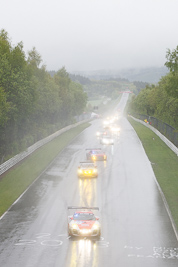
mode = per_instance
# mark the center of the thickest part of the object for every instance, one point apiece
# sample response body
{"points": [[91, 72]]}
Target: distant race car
{"points": [[107, 140], [87, 169], [100, 133], [83, 222], [95, 154]]}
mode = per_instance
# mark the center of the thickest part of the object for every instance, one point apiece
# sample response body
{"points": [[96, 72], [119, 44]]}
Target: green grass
{"points": [[16, 181], [164, 162]]}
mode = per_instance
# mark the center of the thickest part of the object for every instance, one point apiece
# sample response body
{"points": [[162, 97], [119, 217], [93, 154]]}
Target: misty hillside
{"points": [[148, 75]]}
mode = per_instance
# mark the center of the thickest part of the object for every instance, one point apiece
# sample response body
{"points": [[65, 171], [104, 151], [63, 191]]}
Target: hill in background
{"points": [[149, 75]]}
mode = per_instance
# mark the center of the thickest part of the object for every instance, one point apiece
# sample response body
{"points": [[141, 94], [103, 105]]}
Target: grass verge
{"points": [[14, 182], [164, 162]]}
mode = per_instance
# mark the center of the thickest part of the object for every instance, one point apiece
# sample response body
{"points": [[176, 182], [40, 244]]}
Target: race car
{"points": [[95, 154], [83, 222], [87, 169], [107, 140], [100, 133]]}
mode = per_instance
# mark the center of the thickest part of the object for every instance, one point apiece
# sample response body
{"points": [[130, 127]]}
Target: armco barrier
{"points": [[16, 159], [167, 130], [165, 140]]}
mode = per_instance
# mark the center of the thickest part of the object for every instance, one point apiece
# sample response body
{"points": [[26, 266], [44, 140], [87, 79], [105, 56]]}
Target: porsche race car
{"points": [[95, 154], [83, 222], [87, 169]]}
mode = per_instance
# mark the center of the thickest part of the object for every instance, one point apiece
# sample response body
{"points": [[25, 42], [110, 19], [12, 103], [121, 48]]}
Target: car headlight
{"points": [[95, 227], [74, 226]]}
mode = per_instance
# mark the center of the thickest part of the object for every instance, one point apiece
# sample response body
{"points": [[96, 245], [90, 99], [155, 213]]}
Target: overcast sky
{"points": [[87, 35]]}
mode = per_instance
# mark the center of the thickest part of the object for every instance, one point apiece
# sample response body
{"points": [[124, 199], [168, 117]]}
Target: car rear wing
{"points": [[93, 149], [87, 161], [82, 208]]}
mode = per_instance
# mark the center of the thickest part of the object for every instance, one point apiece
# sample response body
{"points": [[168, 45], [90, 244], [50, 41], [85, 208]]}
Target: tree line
{"points": [[161, 100], [33, 104]]}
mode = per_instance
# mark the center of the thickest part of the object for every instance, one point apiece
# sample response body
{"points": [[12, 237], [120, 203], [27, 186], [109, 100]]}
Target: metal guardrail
{"points": [[167, 130], [16, 159], [19, 157], [165, 140]]}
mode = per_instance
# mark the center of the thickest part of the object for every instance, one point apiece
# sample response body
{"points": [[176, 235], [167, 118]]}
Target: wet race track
{"points": [[136, 230]]}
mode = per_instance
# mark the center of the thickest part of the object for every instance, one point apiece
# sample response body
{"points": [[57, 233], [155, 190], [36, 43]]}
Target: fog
{"points": [[87, 35]]}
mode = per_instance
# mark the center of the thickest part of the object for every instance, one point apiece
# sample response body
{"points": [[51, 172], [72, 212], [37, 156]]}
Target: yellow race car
{"points": [[87, 169]]}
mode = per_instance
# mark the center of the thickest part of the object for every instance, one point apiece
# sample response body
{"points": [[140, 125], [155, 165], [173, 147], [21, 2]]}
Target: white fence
{"points": [[16, 159], [165, 140]]}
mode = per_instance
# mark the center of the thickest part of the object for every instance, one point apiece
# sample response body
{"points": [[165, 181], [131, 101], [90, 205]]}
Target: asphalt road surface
{"points": [[136, 230]]}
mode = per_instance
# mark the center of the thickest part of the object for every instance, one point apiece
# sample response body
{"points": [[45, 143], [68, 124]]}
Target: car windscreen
{"points": [[96, 152], [84, 216], [87, 166]]}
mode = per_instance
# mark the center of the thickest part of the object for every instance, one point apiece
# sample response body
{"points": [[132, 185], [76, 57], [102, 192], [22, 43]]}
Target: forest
{"points": [[33, 104], [161, 100]]}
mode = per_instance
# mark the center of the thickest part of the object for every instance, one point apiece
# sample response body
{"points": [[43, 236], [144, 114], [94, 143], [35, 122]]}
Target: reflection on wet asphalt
{"points": [[136, 229]]}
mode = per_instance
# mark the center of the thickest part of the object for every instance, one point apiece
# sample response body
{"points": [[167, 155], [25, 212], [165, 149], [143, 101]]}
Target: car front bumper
{"points": [[84, 232]]}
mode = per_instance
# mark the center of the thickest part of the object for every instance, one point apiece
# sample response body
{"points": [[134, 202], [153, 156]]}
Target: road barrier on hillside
{"points": [[165, 140], [16, 159]]}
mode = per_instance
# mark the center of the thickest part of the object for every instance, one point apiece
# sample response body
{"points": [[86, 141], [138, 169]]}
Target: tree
{"points": [[155, 101], [79, 98], [141, 103], [171, 85], [166, 105], [34, 58], [63, 81], [32, 103], [4, 108], [17, 92], [172, 60]]}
